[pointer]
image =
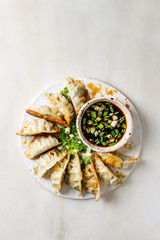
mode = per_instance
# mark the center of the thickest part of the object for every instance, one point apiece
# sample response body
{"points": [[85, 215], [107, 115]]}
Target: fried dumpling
{"points": [[40, 144], [47, 161], [37, 126], [109, 158], [62, 104], [74, 173], [118, 161], [105, 173], [77, 93], [58, 172], [49, 113], [126, 160], [90, 180]]}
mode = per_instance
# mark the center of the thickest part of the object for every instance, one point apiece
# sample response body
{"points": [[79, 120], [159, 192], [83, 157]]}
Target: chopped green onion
{"points": [[93, 114], [93, 129], [105, 124], [111, 144], [119, 135], [101, 134], [101, 109], [120, 175], [96, 133], [106, 118], [88, 130], [84, 120], [67, 130], [99, 114], [124, 126], [121, 119], [66, 90], [108, 135], [101, 139], [113, 133], [86, 159], [71, 151], [63, 93], [96, 108], [111, 108], [116, 135], [100, 125], [98, 119], [105, 114], [116, 130], [75, 134], [109, 126]]}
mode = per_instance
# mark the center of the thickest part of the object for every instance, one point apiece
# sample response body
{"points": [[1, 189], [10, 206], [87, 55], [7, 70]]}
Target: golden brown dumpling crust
{"points": [[77, 93], [58, 172], [40, 144], [48, 113], [90, 180], [62, 104], [105, 173], [47, 160], [117, 160], [110, 159], [37, 126], [74, 173]]}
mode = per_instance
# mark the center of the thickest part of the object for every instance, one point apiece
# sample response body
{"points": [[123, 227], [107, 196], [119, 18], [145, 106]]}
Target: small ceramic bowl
{"points": [[122, 141]]}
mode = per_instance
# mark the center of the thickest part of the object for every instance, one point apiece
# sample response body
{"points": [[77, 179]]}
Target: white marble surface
{"points": [[42, 42]]}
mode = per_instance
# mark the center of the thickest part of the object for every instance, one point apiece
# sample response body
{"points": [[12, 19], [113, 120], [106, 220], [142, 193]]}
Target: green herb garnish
{"points": [[73, 144], [120, 175], [64, 92]]}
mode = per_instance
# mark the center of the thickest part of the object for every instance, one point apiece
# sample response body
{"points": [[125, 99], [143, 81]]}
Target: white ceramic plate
{"points": [[132, 148]]}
